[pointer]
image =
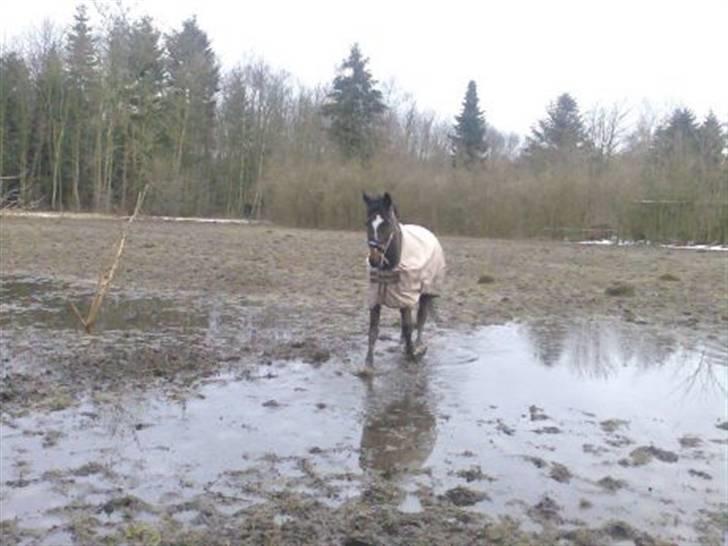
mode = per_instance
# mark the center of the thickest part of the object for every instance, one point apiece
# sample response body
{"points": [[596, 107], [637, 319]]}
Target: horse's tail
{"points": [[433, 310]]}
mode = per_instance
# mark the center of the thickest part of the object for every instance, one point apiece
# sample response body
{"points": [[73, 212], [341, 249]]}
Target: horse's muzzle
{"points": [[376, 257]]}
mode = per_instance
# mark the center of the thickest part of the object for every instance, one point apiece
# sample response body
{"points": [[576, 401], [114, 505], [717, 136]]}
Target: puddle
{"points": [[592, 411], [34, 302], [599, 389]]}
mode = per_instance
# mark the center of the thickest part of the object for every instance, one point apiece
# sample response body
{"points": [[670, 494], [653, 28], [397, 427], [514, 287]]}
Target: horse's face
{"points": [[380, 227]]}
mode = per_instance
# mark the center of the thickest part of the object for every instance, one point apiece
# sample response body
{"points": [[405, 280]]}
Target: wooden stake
{"points": [[106, 277]]}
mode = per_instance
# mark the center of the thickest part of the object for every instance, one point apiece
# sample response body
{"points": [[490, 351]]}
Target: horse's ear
{"points": [[366, 198], [387, 200]]}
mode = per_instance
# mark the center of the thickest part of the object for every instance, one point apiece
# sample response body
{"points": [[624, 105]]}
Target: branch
{"points": [[106, 277]]}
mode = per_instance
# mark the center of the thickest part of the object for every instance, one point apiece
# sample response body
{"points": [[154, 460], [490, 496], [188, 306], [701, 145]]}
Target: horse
{"points": [[406, 269]]}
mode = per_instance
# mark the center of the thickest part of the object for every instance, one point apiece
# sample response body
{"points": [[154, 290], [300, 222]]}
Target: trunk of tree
{"points": [[57, 179], [98, 166], [76, 158]]}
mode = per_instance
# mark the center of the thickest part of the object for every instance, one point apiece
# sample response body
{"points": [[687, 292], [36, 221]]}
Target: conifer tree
{"points": [[354, 107], [468, 142]]}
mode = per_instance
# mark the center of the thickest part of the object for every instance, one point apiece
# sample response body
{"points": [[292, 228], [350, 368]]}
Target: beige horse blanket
{"points": [[421, 270]]}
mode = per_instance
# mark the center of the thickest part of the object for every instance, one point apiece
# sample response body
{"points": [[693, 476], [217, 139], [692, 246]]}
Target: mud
{"points": [[217, 404]]}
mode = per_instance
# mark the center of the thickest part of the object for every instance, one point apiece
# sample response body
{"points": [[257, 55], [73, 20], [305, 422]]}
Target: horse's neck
{"points": [[394, 252]]}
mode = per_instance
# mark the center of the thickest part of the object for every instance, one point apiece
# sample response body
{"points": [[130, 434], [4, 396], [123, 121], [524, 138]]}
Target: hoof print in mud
{"points": [[644, 454], [463, 496], [700, 474], [611, 484], [537, 413], [689, 441], [611, 425], [622, 531], [560, 473], [505, 429], [474, 473], [548, 430], [538, 462], [546, 511]]}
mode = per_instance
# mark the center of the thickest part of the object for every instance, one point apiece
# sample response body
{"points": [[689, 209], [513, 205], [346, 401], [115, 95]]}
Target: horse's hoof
{"points": [[420, 351]]}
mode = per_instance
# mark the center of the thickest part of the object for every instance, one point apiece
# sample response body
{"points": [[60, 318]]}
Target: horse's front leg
{"points": [[374, 314], [407, 327]]}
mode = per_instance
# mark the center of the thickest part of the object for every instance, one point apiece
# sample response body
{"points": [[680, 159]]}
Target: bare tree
{"points": [[607, 129]]}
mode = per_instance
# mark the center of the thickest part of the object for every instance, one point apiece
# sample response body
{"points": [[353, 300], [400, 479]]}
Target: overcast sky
{"points": [[521, 53]]}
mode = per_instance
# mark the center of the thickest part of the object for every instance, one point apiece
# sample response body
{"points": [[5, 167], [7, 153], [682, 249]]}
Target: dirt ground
{"points": [[309, 291], [322, 273]]}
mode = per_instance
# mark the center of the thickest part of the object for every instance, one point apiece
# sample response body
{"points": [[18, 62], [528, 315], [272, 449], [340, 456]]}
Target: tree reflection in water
{"points": [[599, 349]]}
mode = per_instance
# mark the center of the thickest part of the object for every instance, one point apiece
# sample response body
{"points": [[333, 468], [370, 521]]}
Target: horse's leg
{"points": [[422, 311], [374, 314], [407, 327]]}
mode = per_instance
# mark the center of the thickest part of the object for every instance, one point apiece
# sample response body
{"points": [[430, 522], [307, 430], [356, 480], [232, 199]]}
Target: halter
{"points": [[383, 248]]}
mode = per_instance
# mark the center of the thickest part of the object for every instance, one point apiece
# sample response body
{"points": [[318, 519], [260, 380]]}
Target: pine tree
{"points": [[15, 103], [194, 79], [712, 141], [354, 107], [81, 54], [468, 142], [677, 136], [82, 78], [145, 100], [561, 131]]}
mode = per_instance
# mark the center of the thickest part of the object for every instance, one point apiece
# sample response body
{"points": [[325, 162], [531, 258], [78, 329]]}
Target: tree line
{"points": [[89, 116]]}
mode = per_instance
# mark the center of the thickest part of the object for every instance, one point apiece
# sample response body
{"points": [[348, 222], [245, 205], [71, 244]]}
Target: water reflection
{"points": [[548, 340], [599, 349], [399, 429], [708, 371]]}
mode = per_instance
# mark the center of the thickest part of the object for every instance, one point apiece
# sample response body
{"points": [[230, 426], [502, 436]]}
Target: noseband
{"points": [[382, 248]]}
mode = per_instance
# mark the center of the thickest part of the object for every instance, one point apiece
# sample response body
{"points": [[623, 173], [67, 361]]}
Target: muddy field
{"points": [[572, 394]]}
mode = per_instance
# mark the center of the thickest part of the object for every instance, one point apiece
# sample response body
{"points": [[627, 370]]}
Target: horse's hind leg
{"points": [[407, 327], [422, 313], [423, 310]]}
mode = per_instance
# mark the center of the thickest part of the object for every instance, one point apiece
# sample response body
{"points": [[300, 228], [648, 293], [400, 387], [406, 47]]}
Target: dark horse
{"points": [[406, 269]]}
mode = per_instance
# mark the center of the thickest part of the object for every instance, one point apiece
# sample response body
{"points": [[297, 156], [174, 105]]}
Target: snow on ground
{"points": [[687, 246]]}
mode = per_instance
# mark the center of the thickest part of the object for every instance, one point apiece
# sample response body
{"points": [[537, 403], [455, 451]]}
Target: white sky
{"points": [[521, 53]]}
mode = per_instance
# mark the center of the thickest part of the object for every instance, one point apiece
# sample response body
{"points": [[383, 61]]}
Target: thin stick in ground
{"points": [[107, 276]]}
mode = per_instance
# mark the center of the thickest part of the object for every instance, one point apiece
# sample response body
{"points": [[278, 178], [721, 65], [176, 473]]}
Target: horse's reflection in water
{"points": [[399, 426]]}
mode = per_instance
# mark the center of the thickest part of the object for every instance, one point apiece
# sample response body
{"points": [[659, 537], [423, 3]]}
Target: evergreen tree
{"points": [[678, 135], [194, 82], [15, 95], [82, 79], [561, 131], [468, 141], [80, 54], [145, 100], [712, 141], [354, 107]]}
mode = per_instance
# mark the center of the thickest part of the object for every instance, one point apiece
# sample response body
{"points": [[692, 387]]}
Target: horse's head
{"points": [[382, 231]]}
